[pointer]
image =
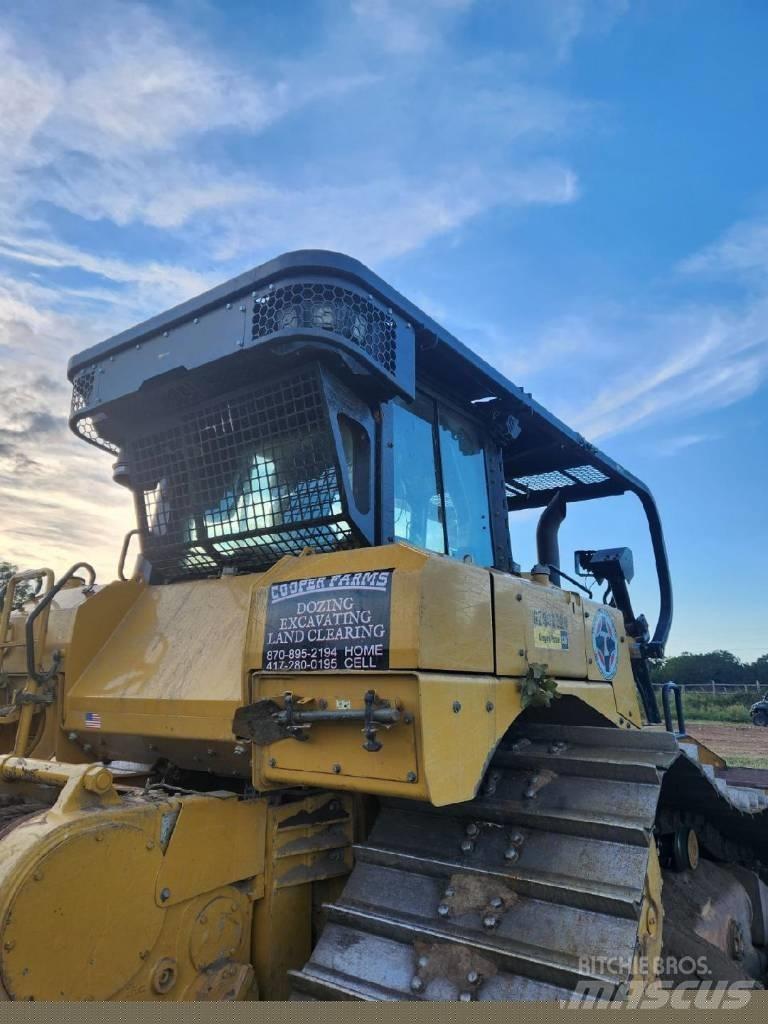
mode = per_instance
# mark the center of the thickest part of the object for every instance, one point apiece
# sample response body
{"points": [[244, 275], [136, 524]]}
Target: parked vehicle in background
{"points": [[759, 712]]}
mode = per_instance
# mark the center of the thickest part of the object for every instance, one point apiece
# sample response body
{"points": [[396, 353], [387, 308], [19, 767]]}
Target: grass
{"points": [[719, 707], [746, 761]]}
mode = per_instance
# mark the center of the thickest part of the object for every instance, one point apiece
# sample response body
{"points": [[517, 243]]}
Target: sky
{"points": [[576, 188]]}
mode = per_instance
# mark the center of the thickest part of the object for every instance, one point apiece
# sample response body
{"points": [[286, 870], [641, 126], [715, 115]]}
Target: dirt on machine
{"points": [[326, 738]]}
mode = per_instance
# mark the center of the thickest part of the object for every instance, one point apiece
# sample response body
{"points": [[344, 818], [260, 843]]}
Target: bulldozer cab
{"points": [[306, 404]]}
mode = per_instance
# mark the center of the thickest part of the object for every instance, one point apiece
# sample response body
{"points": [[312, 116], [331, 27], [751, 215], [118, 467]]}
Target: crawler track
{"points": [[516, 894]]}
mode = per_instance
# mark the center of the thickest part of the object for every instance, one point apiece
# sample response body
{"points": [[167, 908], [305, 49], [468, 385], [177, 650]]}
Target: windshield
{"points": [[241, 482]]}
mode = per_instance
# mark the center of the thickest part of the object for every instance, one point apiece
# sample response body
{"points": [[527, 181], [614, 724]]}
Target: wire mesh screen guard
{"points": [[325, 306], [241, 481]]}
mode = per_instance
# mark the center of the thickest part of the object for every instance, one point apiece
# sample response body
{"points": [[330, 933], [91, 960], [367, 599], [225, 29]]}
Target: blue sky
{"points": [[577, 188]]}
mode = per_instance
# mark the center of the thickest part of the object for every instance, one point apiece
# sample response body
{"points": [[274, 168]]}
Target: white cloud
{"points": [[743, 249], [405, 28], [670, 446]]}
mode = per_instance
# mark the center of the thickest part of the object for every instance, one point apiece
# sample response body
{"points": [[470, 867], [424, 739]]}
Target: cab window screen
{"points": [[465, 489], [418, 504]]}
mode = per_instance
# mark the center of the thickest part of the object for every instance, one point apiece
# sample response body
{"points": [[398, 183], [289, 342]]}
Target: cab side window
{"points": [[441, 492]]}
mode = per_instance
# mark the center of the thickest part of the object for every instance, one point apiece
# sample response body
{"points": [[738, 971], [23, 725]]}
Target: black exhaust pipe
{"points": [[547, 545]]}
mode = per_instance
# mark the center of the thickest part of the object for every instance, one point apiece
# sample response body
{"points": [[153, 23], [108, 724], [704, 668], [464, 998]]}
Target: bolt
{"points": [[87, 748], [196, 320], [443, 910], [497, 902], [516, 838], [586, 615], [272, 762], [511, 854], [336, 768], [72, 737], [8, 946], [150, 844], [490, 921], [239, 342], [467, 846], [242, 309], [211, 752], [229, 305], [521, 652], [410, 777], [138, 347], [165, 334], [416, 983], [99, 838], [450, 891], [423, 961], [456, 707], [518, 597], [489, 705], [465, 997], [38, 876], [472, 829], [165, 894], [239, 749], [473, 977], [407, 719]]}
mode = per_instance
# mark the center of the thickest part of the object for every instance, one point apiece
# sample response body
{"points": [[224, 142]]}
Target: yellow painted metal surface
{"points": [[165, 668], [187, 866], [172, 669], [126, 895], [305, 846]]}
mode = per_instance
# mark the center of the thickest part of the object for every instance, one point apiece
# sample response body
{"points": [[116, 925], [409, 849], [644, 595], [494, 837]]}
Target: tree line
{"points": [[719, 667]]}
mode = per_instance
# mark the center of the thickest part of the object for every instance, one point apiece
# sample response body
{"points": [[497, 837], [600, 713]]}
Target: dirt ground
{"points": [[740, 745]]}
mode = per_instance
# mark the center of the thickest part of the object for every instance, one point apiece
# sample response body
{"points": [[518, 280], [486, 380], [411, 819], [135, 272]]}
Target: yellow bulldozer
{"points": [[327, 739]]}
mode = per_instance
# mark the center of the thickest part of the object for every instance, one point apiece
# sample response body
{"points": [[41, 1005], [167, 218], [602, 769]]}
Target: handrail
{"points": [[8, 593], [124, 553], [41, 677]]}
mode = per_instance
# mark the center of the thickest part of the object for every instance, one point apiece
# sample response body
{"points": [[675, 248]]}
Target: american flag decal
{"points": [[92, 720]]}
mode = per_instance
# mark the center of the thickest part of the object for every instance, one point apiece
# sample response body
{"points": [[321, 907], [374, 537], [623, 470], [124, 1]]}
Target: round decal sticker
{"points": [[605, 643]]}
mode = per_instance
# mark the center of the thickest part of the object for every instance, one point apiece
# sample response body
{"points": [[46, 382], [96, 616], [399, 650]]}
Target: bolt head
{"points": [[417, 984], [467, 846], [465, 997], [449, 892], [490, 921], [272, 762], [473, 977], [423, 961], [497, 902], [456, 707], [489, 706], [443, 910], [72, 737], [165, 894], [511, 854], [410, 777], [336, 768], [472, 829]]}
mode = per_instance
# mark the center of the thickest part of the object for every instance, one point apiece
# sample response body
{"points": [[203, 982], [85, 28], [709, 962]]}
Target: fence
{"points": [[714, 687]]}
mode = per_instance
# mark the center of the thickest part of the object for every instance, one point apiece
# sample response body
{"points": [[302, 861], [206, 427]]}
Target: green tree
{"points": [[759, 670], [23, 591], [713, 667]]}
